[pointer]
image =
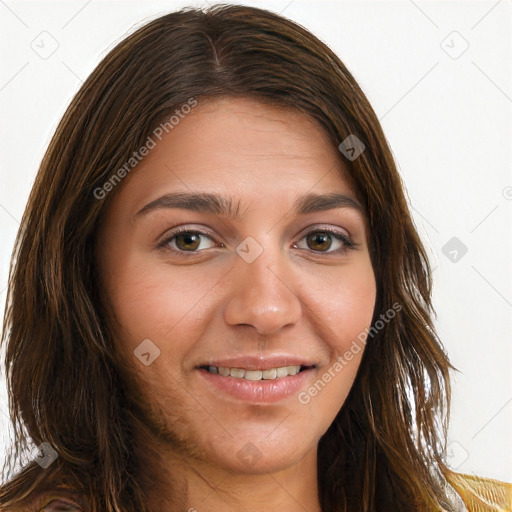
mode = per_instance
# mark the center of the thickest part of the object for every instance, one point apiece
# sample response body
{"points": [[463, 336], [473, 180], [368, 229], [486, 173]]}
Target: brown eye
{"points": [[325, 241], [319, 241], [188, 241]]}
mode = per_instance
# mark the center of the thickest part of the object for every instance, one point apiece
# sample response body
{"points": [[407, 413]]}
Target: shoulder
{"points": [[482, 494]]}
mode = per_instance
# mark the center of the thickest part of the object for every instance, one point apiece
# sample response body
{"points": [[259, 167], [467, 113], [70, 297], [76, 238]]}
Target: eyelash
{"points": [[164, 244]]}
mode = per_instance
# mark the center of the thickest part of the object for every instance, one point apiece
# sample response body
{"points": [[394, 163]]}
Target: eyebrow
{"points": [[204, 202]]}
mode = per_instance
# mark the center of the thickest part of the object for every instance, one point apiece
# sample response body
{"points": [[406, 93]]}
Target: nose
{"points": [[262, 294]]}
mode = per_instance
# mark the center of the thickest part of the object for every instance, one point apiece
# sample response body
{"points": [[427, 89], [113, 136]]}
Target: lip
{"points": [[259, 362], [257, 392]]}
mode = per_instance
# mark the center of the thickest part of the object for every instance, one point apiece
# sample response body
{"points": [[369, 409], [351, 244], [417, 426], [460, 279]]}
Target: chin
{"points": [[263, 453]]}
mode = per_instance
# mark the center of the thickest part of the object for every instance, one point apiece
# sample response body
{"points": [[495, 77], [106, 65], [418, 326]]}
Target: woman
{"points": [[219, 299]]}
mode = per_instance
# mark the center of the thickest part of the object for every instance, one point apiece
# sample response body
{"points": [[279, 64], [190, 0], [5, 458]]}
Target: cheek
{"points": [[151, 301], [345, 303], [353, 312], [345, 307]]}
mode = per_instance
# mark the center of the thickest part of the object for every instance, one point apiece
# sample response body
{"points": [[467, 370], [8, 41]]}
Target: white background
{"points": [[448, 121]]}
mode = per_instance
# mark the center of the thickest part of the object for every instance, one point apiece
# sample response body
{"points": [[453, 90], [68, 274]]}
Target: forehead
{"points": [[241, 147]]}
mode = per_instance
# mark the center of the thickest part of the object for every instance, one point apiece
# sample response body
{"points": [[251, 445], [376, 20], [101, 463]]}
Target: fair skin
{"points": [[307, 295]]}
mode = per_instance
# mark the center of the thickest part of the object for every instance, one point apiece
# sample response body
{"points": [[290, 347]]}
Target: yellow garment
{"points": [[482, 494]]}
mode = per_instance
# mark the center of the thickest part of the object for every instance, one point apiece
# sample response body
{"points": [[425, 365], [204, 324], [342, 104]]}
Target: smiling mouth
{"points": [[255, 375]]}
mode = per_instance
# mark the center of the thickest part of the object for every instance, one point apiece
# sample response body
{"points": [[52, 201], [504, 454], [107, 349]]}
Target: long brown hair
{"points": [[386, 447]]}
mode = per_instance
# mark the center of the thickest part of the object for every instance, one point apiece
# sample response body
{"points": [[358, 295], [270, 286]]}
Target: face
{"points": [[222, 299]]}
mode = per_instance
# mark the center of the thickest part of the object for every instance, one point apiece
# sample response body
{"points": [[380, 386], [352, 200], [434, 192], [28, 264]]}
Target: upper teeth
{"points": [[240, 373]]}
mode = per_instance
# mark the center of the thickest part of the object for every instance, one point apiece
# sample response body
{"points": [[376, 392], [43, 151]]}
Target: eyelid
{"points": [[324, 227], [185, 228]]}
